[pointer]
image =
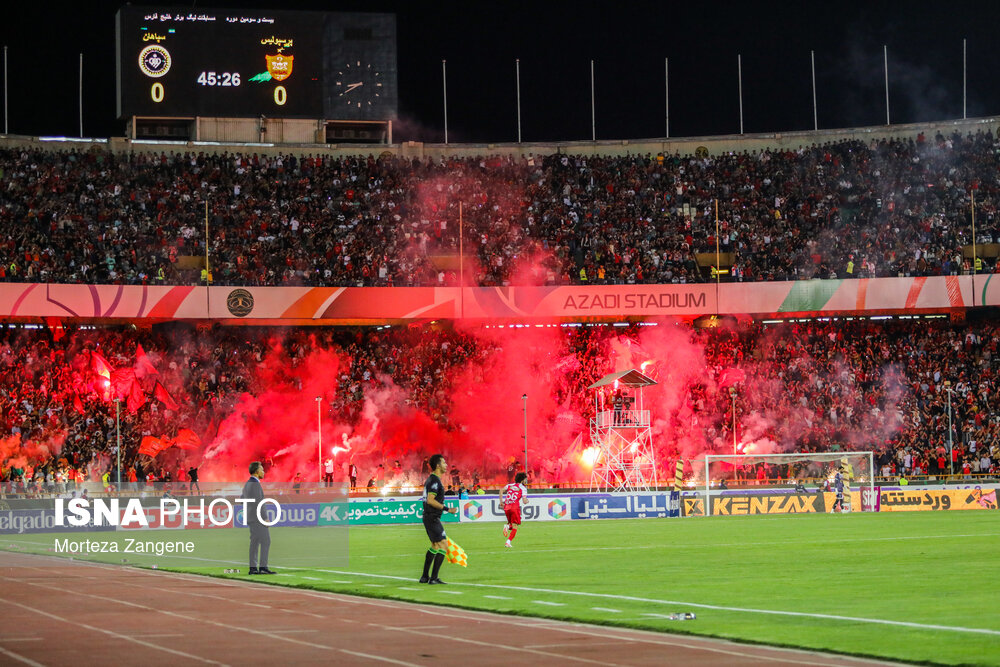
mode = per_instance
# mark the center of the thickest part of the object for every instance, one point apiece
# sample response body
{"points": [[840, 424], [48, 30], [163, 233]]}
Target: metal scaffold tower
{"points": [[620, 430]]}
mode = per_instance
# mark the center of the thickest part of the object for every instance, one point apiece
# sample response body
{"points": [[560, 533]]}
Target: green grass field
{"points": [[921, 587]]}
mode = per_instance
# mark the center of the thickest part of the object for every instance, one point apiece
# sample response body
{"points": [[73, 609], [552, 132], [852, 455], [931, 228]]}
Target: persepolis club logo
{"points": [[240, 302], [154, 61], [279, 66]]}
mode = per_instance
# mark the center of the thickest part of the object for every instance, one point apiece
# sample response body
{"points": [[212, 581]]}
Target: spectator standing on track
{"points": [[193, 478], [260, 535]]}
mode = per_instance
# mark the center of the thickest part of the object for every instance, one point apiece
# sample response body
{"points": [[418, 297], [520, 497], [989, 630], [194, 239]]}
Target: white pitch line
{"points": [[679, 603], [407, 588], [450, 592], [675, 546], [630, 635], [612, 611], [551, 604], [497, 597]]}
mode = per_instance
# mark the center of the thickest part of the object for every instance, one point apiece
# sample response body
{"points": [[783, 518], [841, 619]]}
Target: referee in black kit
{"points": [[433, 508]]}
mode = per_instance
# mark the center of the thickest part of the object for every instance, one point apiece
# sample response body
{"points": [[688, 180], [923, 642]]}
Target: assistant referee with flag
{"points": [[433, 509]]}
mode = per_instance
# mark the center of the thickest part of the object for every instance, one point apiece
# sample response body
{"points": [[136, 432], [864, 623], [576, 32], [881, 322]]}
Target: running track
{"points": [[60, 613]]}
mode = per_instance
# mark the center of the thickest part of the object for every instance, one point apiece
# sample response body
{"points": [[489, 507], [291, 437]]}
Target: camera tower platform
{"points": [[620, 429]]}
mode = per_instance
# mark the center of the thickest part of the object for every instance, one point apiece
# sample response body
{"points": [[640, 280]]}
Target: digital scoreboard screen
{"points": [[247, 63]]}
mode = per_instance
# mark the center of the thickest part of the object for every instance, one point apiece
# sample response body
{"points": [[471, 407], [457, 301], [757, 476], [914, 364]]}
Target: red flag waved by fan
{"points": [[731, 376], [136, 397], [143, 366], [163, 396], [151, 446], [122, 381], [100, 365], [187, 439]]}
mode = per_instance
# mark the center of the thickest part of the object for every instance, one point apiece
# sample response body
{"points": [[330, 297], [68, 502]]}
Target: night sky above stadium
{"points": [[555, 42]]}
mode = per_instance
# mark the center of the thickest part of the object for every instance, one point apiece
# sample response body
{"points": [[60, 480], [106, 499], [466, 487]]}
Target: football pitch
{"points": [[919, 587]]}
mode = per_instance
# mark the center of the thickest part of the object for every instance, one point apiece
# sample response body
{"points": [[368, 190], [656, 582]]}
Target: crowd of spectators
{"points": [[840, 209], [818, 386]]}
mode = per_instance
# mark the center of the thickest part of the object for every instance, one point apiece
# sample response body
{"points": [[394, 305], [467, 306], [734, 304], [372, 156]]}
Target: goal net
{"points": [[796, 472]]}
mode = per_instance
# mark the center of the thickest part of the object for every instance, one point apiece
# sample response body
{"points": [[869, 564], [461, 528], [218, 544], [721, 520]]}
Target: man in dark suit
{"points": [[260, 535]]}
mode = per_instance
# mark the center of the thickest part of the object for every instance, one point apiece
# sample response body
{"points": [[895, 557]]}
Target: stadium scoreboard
{"points": [[174, 62]]}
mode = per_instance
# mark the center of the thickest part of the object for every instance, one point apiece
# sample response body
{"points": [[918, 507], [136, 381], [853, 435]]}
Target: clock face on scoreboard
{"points": [[247, 63], [359, 84]]}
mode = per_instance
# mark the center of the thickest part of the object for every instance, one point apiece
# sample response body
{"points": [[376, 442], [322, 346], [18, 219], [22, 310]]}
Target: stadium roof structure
{"points": [[629, 378]]}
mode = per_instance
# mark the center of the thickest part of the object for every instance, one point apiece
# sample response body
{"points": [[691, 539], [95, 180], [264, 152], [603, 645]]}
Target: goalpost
{"points": [[807, 467]]}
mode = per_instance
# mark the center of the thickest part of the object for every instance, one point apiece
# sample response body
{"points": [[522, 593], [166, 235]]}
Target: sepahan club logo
{"points": [[557, 509], [154, 61]]}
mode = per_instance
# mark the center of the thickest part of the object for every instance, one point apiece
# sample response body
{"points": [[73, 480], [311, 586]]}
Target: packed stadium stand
{"points": [[810, 387], [845, 208], [835, 207]]}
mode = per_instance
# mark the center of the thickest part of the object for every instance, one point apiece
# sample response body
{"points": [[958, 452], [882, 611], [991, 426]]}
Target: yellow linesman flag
{"points": [[456, 554], [679, 475]]}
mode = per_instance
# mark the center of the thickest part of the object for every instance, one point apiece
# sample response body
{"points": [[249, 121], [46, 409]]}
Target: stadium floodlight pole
{"points": [[5, 89], [951, 460], [444, 82], [81, 96], [319, 435], [524, 398], [461, 263], [208, 269], [975, 254], [118, 436], [812, 61], [666, 90], [739, 72], [885, 60], [732, 394], [593, 107], [964, 79], [517, 72], [718, 260]]}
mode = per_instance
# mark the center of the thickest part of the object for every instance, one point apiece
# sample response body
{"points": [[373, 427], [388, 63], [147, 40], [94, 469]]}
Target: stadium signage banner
{"points": [[797, 503], [366, 304], [299, 514], [538, 508], [692, 506], [918, 500], [378, 512], [18, 522], [633, 506]]}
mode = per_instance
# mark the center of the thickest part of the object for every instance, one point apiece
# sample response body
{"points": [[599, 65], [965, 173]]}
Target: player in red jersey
{"points": [[514, 495]]}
